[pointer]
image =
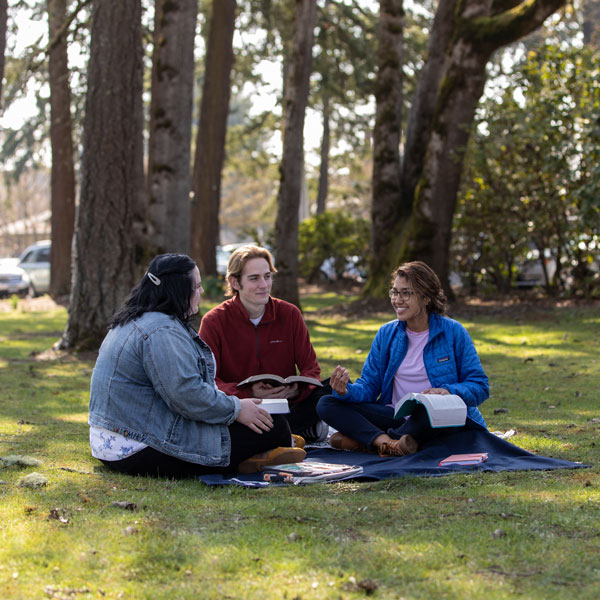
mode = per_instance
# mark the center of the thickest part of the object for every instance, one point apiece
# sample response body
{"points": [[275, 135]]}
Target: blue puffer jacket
{"points": [[450, 359]]}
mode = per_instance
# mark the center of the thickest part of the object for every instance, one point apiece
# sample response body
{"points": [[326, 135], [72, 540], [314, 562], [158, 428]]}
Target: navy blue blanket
{"points": [[502, 456]]}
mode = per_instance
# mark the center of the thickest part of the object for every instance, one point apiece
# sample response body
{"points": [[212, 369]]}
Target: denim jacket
{"points": [[154, 382], [450, 359]]}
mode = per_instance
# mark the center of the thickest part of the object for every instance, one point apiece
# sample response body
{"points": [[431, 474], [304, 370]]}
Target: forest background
{"points": [[462, 133]]}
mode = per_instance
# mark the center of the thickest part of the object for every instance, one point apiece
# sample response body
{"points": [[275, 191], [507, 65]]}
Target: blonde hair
{"points": [[238, 260], [426, 283]]}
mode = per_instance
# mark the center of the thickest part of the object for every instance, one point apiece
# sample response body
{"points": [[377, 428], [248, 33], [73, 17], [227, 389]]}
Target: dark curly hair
{"points": [[426, 283], [166, 287]]}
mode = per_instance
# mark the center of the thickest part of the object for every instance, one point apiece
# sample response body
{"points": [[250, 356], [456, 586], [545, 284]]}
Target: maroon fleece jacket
{"points": [[279, 344]]}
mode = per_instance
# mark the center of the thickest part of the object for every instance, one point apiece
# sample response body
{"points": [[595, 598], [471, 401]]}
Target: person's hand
{"points": [[441, 391], [339, 379], [260, 389], [254, 417]]}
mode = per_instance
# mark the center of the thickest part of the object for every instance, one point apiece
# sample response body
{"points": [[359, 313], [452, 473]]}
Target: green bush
{"points": [[331, 235]]}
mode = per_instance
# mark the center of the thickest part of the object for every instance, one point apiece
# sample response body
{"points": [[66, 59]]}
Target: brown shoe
{"points": [[343, 442], [277, 456], [405, 445], [298, 441]]}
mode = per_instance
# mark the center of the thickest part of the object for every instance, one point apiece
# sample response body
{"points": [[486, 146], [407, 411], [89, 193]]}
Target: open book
{"points": [[275, 406], [443, 410], [311, 471], [277, 380]]}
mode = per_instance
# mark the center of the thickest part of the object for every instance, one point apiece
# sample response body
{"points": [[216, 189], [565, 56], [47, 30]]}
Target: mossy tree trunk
{"points": [[292, 161], [464, 35], [169, 181], [210, 142], [112, 199], [387, 207], [3, 24], [62, 186]]}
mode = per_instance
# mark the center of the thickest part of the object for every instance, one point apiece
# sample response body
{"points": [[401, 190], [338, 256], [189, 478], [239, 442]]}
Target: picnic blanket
{"points": [[502, 456]]}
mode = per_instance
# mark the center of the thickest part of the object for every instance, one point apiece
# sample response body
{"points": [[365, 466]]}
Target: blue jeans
{"points": [[365, 421]]}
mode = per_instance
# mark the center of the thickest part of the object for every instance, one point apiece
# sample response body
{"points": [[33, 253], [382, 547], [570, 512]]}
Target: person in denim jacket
{"points": [[154, 406], [421, 351]]}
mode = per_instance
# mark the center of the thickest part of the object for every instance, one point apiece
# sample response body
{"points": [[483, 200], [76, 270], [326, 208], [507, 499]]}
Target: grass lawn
{"points": [[506, 535]]}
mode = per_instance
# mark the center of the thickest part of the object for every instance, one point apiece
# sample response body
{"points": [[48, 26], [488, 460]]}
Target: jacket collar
{"points": [[435, 325], [269, 315]]}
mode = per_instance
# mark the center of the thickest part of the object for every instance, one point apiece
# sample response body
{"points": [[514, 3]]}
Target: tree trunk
{"points": [[112, 178], [324, 166], [170, 125], [464, 35], [210, 144], [62, 187], [3, 22], [292, 161], [591, 23], [387, 205]]}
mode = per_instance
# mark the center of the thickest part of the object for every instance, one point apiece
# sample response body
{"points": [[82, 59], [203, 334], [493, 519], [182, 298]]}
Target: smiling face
{"points": [[409, 306], [196, 291], [254, 286]]}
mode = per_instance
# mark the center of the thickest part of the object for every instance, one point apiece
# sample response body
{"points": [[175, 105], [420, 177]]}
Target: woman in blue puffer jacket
{"points": [[421, 351]]}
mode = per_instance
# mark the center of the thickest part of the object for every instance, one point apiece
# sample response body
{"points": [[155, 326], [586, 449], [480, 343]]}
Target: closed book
{"points": [[275, 406], [464, 459]]}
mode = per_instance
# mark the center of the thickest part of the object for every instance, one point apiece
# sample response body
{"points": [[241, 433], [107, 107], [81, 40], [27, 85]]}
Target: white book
{"points": [[443, 410], [275, 406]]}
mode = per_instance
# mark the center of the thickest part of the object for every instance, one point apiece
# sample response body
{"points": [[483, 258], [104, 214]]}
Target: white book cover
{"points": [[444, 410], [275, 406]]}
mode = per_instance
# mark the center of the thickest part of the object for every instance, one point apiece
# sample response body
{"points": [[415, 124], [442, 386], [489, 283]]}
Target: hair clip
{"points": [[153, 278]]}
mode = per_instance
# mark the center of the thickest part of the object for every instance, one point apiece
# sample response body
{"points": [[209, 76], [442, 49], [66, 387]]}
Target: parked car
{"points": [[35, 259], [530, 271], [13, 279]]}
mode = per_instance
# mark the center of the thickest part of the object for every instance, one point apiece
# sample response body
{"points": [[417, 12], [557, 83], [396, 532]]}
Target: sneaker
{"points": [[298, 441], [405, 445], [343, 442], [316, 433], [277, 456]]}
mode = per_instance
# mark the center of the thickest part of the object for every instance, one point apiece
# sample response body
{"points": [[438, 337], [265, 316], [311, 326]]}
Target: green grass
{"points": [[506, 535]]}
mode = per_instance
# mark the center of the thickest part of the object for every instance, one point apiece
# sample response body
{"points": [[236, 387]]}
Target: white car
{"points": [[13, 279], [35, 259]]}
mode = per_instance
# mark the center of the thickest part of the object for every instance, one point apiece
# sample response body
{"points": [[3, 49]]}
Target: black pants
{"points": [[244, 444], [303, 415]]}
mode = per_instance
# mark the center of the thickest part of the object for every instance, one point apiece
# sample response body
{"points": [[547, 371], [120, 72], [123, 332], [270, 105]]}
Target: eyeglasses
{"points": [[404, 294]]}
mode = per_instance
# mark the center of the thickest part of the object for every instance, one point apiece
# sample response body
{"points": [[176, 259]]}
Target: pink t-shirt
{"points": [[411, 375]]}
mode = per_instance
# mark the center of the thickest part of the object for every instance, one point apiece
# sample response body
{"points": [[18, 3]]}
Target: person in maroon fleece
{"points": [[253, 333]]}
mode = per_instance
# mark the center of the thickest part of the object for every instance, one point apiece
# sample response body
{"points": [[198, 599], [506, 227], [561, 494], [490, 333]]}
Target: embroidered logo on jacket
{"points": [[443, 359], [276, 342]]}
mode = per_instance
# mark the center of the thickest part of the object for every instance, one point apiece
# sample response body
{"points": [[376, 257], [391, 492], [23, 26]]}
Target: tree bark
{"points": [[464, 35], [62, 187], [169, 180], [106, 240], [387, 205], [292, 161], [3, 23], [210, 144], [324, 166]]}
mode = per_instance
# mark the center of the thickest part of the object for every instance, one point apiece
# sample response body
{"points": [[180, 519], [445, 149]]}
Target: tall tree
{"points": [[62, 188], [463, 37], [210, 144], [112, 178], [385, 208], [170, 125], [3, 22], [292, 161]]}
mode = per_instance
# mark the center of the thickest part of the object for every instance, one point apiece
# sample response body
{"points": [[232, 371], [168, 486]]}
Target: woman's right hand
{"points": [[339, 379], [251, 415]]}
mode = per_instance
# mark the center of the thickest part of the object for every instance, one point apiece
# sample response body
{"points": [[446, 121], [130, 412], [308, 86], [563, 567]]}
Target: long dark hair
{"points": [[166, 287]]}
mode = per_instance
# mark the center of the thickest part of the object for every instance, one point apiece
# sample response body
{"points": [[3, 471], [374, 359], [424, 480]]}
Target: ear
{"points": [[234, 283]]}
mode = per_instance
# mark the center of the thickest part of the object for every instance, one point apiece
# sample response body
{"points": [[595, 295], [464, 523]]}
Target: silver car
{"points": [[35, 260], [13, 279]]}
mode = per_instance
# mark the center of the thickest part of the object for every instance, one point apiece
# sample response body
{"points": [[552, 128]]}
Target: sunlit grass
{"points": [[410, 537]]}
